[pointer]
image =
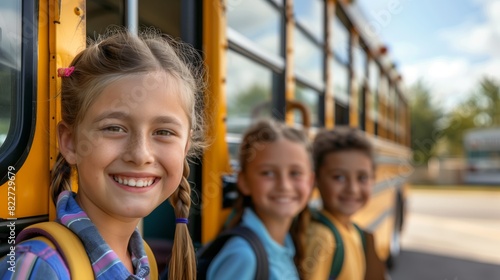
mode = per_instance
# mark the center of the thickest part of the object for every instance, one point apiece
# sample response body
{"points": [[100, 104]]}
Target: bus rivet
{"points": [[78, 11]]}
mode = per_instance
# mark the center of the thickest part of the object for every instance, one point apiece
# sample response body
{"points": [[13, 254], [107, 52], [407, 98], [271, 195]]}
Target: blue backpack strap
{"points": [[338, 255], [206, 254]]}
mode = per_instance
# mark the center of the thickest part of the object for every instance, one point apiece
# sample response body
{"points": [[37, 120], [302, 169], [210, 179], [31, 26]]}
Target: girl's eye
{"points": [[163, 132], [296, 173], [339, 178], [114, 129], [363, 178], [267, 173]]}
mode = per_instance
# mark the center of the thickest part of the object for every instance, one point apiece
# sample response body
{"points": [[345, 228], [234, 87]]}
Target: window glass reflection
{"points": [[310, 13], [340, 40], [165, 15], [359, 62], [10, 60], [383, 87], [248, 92], [258, 21], [101, 14], [374, 77], [340, 82], [308, 58], [310, 98]]}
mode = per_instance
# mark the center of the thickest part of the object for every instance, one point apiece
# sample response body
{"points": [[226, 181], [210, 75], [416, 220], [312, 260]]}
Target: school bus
{"points": [[306, 62]]}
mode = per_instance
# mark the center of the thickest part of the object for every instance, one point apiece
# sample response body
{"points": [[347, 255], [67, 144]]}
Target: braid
{"points": [[61, 177], [298, 232], [183, 263]]}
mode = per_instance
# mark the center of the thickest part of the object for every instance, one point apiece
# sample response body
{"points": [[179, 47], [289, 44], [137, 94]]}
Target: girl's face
{"points": [[130, 147], [278, 178], [345, 182]]}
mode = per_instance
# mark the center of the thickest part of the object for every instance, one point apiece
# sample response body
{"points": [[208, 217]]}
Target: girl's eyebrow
{"points": [[168, 119], [123, 115], [111, 115]]}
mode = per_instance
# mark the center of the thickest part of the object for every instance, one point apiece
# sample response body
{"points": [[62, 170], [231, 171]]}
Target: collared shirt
{"points": [[321, 248], [237, 260], [37, 260]]}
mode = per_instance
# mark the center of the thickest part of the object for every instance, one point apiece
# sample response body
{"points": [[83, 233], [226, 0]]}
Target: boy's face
{"points": [[345, 181]]}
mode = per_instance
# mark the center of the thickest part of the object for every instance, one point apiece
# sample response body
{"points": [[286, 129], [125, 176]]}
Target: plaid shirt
{"points": [[36, 260]]}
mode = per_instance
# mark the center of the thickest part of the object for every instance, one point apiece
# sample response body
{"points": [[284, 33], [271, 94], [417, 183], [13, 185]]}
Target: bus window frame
{"points": [[17, 145]]}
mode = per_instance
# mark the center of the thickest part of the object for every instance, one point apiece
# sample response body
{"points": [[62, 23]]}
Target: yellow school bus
{"points": [[306, 62]]}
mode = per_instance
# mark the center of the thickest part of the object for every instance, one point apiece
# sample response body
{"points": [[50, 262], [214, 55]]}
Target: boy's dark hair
{"points": [[341, 138]]}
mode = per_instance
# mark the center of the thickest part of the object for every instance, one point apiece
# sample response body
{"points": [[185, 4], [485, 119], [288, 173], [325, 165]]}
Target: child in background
{"points": [[344, 168], [129, 121], [275, 182]]}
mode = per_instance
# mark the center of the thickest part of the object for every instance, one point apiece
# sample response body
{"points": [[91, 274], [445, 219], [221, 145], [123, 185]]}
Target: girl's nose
{"points": [[284, 182], [139, 150]]}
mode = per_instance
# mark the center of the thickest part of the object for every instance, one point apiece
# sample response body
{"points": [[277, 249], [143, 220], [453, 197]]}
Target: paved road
{"points": [[451, 235]]}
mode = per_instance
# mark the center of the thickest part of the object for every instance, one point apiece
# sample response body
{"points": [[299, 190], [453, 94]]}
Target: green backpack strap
{"points": [[338, 255], [362, 235]]}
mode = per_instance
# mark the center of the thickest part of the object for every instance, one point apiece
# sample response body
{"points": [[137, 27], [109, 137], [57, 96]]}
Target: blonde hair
{"points": [[269, 131], [112, 57]]}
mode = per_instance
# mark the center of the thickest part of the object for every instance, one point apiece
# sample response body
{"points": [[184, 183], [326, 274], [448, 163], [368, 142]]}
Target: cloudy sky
{"points": [[449, 44]]}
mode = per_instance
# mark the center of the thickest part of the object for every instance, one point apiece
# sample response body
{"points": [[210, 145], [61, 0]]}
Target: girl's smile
{"points": [[135, 182]]}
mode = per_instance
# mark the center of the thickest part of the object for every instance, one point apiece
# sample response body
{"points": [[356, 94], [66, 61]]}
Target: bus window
{"points": [[258, 21], [101, 14], [165, 15], [309, 43], [249, 87], [10, 61], [308, 59], [310, 15], [310, 98]]}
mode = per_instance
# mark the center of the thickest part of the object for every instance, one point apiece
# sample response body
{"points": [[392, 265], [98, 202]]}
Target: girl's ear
{"points": [[242, 184], [66, 142]]}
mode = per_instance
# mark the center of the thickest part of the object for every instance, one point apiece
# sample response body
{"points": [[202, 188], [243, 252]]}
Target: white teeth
{"points": [[283, 199], [138, 183]]}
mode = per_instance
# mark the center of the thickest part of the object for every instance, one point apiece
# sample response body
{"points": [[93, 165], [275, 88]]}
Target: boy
{"points": [[344, 168]]}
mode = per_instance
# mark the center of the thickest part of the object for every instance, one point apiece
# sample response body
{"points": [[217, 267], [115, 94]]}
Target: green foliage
{"points": [[243, 103], [481, 109], [424, 124]]}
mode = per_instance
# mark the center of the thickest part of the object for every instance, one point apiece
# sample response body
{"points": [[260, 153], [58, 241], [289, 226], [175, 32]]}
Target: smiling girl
{"points": [[128, 124], [275, 183]]}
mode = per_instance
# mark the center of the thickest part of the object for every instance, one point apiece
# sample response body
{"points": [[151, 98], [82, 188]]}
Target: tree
{"points": [[490, 93], [424, 123], [481, 109]]}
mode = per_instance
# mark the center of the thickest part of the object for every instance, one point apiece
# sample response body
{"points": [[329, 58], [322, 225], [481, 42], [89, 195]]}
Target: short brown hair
{"points": [[341, 138]]}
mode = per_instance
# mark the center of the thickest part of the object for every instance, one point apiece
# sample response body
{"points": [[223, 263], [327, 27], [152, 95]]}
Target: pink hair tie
{"points": [[65, 72]]}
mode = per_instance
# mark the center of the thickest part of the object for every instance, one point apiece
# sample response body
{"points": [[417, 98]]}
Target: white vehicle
{"points": [[482, 147]]}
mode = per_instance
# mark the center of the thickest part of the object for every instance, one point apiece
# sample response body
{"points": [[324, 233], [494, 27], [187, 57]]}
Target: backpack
{"points": [[206, 254], [338, 255], [70, 247]]}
